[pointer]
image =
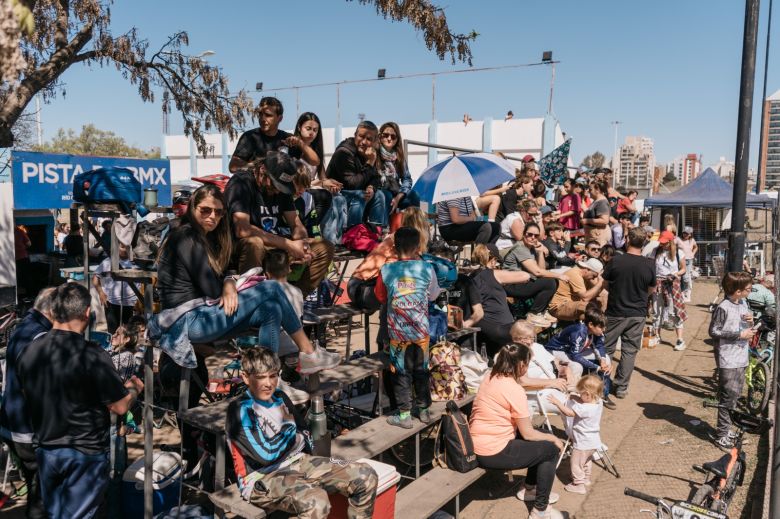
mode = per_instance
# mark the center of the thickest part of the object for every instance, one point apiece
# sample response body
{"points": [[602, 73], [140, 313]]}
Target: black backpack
{"points": [[454, 448]]}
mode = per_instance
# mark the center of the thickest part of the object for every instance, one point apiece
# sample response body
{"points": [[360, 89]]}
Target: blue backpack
{"points": [[109, 186], [446, 271]]}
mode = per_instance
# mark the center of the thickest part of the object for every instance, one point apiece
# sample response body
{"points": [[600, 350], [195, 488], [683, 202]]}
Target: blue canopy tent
{"points": [[705, 204], [708, 190]]}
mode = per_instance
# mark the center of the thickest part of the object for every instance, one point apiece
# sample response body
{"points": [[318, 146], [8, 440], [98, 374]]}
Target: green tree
{"points": [[93, 141], [54, 35], [594, 160]]}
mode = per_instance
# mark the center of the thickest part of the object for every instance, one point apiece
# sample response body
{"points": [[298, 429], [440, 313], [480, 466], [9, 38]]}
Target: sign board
{"points": [[45, 180]]}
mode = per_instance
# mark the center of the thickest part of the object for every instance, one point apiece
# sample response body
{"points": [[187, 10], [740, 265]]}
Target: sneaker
{"points": [[296, 395], [680, 346], [319, 360], [724, 442], [548, 513], [621, 393], [576, 489], [396, 420], [537, 320], [610, 404], [549, 318], [529, 494], [425, 416]]}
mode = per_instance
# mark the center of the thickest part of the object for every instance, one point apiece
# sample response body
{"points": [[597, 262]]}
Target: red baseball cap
{"points": [[529, 158], [666, 237]]}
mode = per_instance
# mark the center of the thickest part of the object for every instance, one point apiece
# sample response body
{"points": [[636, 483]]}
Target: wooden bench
{"points": [[457, 334], [430, 492], [337, 313]]}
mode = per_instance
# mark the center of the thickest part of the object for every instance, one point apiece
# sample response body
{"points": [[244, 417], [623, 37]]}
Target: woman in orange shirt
{"points": [[504, 437]]}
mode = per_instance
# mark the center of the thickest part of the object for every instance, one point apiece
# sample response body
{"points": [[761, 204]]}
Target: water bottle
{"points": [[318, 426], [483, 351]]}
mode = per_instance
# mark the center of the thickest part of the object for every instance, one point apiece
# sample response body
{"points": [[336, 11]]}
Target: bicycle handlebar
{"points": [[641, 495]]}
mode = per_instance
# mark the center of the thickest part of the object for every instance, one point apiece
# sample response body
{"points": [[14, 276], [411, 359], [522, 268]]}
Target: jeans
{"points": [[358, 210], [334, 220], [73, 484], [540, 457], [629, 329], [263, 306], [411, 199]]}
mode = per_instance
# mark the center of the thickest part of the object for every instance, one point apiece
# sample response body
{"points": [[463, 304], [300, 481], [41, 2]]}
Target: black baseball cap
{"points": [[281, 169]]}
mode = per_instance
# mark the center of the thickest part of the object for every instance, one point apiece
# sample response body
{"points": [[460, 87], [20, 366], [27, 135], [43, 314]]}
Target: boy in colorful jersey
{"points": [[407, 286], [269, 446]]}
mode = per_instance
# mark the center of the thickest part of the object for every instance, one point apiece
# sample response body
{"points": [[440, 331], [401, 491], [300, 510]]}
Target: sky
{"points": [[667, 69]]}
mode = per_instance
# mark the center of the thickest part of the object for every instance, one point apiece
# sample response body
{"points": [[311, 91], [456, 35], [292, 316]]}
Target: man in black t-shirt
{"points": [[254, 145], [630, 279], [263, 215], [70, 387]]}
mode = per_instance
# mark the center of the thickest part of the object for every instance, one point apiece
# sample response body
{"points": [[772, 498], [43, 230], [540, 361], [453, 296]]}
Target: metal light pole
{"points": [[615, 153], [736, 246], [433, 97], [763, 100]]}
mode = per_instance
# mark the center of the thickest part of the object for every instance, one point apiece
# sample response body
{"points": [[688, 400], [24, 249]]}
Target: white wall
{"points": [[516, 137]]}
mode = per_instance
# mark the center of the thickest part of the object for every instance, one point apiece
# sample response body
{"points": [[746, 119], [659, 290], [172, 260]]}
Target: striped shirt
{"points": [[465, 208]]}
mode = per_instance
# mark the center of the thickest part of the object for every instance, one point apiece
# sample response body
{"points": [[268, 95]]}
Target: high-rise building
{"points": [[770, 145], [724, 169], [637, 163]]}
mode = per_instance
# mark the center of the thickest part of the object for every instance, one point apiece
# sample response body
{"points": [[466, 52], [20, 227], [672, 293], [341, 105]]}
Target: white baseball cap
{"points": [[592, 264]]}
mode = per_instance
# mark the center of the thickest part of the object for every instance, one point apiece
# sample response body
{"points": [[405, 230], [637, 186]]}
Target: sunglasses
{"points": [[594, 249], [389, 136], [531, 235], [206, 211]]}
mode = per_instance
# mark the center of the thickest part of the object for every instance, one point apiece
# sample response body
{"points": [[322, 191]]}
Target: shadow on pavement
{"points": [[676, 415], [680, 383]]}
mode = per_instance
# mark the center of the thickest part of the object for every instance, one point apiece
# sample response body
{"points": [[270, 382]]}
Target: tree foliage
{"points": [[70, 32], [594, 160], [93, 141]]}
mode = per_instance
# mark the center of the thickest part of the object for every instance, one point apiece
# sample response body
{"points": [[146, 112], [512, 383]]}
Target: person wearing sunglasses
{"points": [[395, 179], [529, 255], [200, 301]]}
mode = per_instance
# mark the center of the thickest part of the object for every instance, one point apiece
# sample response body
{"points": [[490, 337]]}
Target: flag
{"points": [[553, 166]]}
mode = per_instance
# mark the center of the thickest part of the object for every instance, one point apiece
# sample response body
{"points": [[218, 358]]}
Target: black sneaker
{"points": [[609, 404]]}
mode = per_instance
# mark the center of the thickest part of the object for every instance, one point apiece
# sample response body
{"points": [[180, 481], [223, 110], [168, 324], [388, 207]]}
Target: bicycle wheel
{"points": [[703, 496], [758, 388]]}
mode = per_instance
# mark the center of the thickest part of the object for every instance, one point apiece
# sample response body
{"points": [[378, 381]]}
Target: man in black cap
{"points": [[263, 215]]}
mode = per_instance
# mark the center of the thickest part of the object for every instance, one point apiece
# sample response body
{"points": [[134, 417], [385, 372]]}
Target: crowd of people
{"points": [[577, 258]]}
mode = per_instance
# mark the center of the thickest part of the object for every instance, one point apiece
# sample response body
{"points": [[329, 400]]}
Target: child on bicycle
{"points": [[406, 286], [731, 326], [585, 412]]}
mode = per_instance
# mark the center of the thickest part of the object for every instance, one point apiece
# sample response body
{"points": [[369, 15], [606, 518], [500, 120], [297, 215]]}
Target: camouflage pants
{"points": [[303, 487]]}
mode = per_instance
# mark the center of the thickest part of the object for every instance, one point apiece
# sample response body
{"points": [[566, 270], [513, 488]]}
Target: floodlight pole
{"points": [[736, 245]]}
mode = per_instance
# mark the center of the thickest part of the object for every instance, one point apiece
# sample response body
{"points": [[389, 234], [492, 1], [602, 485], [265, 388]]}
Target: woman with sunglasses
{"points": [[395, 179], [596, 218], [528, 255], [200, 301]]}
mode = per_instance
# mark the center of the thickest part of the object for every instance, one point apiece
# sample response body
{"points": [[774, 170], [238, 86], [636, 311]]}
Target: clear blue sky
{"points": [[667, 69]]}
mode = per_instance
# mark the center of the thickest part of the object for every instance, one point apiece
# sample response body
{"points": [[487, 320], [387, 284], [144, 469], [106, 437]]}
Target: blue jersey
{"points": [[574, 341], [407, 286]]}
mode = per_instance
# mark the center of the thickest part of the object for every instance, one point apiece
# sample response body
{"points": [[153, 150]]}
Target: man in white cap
{"points": [[570, 300]]}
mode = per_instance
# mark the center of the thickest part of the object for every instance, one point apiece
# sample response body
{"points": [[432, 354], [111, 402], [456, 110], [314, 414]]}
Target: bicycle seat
{"points": [[718, 467]]}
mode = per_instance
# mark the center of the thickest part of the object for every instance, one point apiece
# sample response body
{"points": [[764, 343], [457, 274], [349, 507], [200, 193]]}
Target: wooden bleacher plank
{"points": [[336, 313], [229, 500], [457, 334], [432, 491], [377, 436], [209, 417]]}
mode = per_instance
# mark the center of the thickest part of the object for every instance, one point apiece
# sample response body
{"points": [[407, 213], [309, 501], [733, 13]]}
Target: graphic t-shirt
{"points": [[254, 144], [243, 195], [407, 286]]}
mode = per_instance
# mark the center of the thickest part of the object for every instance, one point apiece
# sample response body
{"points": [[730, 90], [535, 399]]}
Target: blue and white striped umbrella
{"points": [[459, 176]]}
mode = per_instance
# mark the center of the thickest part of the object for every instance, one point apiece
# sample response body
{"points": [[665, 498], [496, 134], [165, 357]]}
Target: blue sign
{"points": [[45, 180]]}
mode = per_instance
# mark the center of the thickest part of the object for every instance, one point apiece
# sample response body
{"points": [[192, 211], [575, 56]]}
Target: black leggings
{"points": [[541, 290], [477, 232], [539, 457], [494, 335]]}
